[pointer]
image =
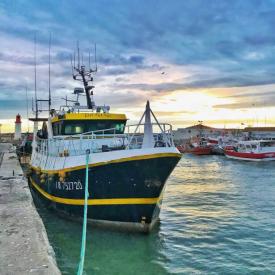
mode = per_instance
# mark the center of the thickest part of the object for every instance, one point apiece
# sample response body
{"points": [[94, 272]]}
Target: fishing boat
{"points": [[252, 150], [184, 148], [216, 145], [197, 148], [128, 165], [201, 150], [181, 148], [200, 146]]}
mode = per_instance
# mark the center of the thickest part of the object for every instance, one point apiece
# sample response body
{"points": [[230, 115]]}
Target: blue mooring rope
{"points": [[84, 229]]}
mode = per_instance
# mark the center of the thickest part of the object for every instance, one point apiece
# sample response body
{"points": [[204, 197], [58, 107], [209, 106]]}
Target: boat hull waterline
{"points": [[250, 156], [200, 151], [126, 193]]}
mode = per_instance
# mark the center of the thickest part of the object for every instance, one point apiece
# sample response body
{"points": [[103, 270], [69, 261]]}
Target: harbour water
{"points": [[218, 217]]}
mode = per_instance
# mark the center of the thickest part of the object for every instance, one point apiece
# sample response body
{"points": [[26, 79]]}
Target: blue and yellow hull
{"points": [[125, 193]]}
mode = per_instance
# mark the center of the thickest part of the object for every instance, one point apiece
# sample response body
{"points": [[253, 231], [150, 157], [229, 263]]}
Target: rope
{"points": [[84, 229]]}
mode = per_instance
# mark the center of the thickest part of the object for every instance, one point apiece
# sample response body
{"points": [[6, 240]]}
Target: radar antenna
{"points": [[80, 73]]}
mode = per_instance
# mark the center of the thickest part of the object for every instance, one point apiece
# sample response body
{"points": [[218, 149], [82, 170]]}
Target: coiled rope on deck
{"points": [[84, 228]]}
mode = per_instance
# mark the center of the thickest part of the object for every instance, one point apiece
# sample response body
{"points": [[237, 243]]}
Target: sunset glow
{"points": [[202, 67]]}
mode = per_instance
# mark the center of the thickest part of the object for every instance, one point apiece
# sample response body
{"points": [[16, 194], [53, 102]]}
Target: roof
{"points": [[259, 129], [204, 127], [200, 126]]}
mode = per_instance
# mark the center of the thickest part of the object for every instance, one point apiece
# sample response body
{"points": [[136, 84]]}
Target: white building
{"points": [[259, 132], [184, 134]]}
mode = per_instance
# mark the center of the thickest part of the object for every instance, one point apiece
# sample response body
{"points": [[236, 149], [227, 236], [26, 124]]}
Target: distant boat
{"points": [[185, 148], [181, 148], [212, 141], [198, 146], [201, 150], [201, 147], [252, 150]]}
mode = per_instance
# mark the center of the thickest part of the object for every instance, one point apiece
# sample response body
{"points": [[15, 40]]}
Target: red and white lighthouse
{"points": [[17, 133]]}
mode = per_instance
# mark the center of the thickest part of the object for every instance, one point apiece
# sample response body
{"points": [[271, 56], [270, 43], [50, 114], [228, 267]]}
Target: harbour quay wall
{"points": [[25, 248]]}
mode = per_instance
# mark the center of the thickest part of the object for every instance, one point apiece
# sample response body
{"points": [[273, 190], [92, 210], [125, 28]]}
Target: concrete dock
{"points": [[25, 248]]}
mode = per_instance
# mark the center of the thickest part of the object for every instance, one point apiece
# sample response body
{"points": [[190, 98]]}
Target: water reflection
{"points": [[108, 252], [217, 217]]}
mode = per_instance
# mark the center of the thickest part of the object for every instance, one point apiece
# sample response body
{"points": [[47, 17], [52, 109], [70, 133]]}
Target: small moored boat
{"points": [[201, 147], [201, 150], [254, 150]]}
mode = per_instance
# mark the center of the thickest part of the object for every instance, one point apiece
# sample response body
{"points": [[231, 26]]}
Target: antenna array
{"points": [[35, 103], [80, 73]]}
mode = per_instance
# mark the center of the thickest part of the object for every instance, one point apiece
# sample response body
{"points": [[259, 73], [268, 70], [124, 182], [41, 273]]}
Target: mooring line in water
{"points": [[84, 229]]}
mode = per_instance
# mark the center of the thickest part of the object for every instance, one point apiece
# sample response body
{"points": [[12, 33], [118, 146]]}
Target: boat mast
{"points": [[35, 107], [35, 86], [50, 41], [80, 73]]}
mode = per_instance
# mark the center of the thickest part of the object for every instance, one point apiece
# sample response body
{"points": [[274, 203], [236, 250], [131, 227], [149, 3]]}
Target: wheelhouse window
{"points": [[73, 127], [120, 127], [108, 125], [268, 144], [242, 146], [56, 128]]}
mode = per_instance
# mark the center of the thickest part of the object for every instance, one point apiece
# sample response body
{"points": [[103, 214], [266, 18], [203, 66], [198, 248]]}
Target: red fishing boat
{"points": [[181, 148], [201, 147], [201, 150], [255, 150], [184, 148]]}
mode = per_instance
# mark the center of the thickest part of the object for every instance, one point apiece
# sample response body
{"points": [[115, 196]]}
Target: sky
{"points": [[194, 59]]}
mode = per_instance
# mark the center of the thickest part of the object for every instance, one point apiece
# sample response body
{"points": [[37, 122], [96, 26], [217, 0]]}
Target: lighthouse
{"points": [[17, 133]]}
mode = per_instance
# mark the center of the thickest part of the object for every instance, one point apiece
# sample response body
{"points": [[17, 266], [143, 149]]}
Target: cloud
{"points": [[268, 102], [9, 108], [230, 81], [262, 99], [231, 44], [121, 60], [262, 94]]}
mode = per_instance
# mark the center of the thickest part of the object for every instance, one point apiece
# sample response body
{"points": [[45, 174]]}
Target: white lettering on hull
{"points": [[69, 186]]}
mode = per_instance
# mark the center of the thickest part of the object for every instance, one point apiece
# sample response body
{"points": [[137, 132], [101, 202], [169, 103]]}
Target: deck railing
{"points": [[104, 140]]}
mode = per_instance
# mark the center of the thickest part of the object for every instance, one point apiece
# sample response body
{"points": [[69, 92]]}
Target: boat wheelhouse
{"points": [[253, 150], [83, 122]]}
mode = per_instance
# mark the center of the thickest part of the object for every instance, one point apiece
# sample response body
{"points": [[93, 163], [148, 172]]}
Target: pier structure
{"points": [[25, 248]]}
